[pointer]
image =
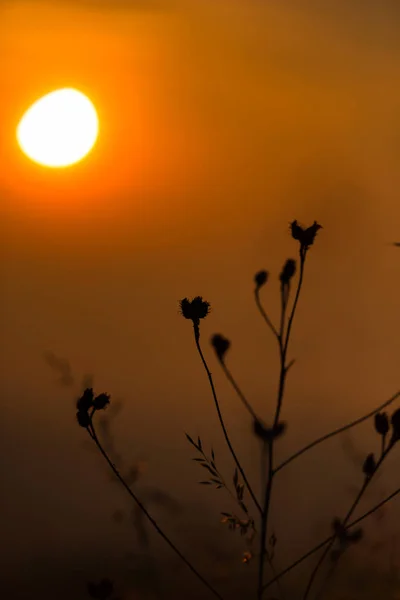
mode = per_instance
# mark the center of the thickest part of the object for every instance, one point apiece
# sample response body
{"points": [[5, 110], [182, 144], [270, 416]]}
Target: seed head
{"points": [[83, 418], [288, 271], [395, 420], [369, 465], [381, 423], [195, 309], [260, 279], [306, 236], [101, 401], [221, 345], [86, 400]]}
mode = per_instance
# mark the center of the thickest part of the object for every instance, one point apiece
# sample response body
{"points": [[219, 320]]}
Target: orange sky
{"points": [[219, 123]]}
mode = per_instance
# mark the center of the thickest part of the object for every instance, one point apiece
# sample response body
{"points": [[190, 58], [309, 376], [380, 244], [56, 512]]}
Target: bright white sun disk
{"points": [[59, 129]]}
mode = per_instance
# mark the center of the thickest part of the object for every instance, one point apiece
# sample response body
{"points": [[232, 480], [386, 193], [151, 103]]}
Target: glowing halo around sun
{"points": [[59, 129]]}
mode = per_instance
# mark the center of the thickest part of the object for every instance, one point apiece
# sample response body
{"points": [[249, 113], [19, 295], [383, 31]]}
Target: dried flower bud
{"points": [[306, 237], [288, 271], [381, 423], [268, 434], [83, 418], [86, 400], [369, 465], [101, 401], [395, 420], [195, 309], [221, 345], [260, 279]]}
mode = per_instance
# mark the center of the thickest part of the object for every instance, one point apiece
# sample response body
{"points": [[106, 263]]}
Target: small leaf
{"points": [[190, 440], [212, 454], [209, 469], [199, 444], [226, 514], [201, 460], [205, 482]]}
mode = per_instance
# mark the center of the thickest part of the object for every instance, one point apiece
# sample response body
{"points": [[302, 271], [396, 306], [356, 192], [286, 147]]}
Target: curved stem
{"points": [[264, 314], [237, 389], [93, 435], [330, 538], [337, 431], [221, 420]]}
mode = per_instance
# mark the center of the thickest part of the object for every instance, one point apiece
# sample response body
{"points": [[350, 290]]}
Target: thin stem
{"points": [[237, 389], [337, 431], [221, 420], [283, 348], [330, 538], [361, 492], [93, 435], [264, 314]]}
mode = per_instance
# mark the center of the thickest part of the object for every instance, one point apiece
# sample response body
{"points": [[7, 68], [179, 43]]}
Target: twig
{"points": [[337, 431], [221, 420], [93, 435]]}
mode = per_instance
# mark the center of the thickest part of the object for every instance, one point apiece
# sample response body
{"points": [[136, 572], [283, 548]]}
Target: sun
{"points": [[59, 129]]}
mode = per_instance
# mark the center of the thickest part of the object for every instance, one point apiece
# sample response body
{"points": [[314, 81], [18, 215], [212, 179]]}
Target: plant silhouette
{"points": [[252, 520]]}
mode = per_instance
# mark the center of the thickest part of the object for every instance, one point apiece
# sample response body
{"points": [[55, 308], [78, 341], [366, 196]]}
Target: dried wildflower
{"points": [[381, 423], [395, 420], [369, 465], [260, 279], [86, 400], [306, 237], [102, 590], [221, 345], [266, 433], [101, 401], [288, 271], [195, 309], [83, 418]]}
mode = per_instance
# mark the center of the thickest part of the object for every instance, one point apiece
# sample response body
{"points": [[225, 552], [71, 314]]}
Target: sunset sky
{"points": [[220, 122]]}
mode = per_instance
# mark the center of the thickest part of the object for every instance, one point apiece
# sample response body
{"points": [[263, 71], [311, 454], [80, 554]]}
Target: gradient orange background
{"points": [[220, 122]]}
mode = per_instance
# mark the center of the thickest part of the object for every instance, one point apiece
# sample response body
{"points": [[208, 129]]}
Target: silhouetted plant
{"points": [[344, 531]]}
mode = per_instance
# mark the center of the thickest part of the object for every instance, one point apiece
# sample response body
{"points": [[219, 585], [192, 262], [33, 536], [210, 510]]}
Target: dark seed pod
{"points": [[381, 423]]}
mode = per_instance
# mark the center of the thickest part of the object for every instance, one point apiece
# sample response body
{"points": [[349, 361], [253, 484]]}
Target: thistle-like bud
{"points": [[306, 237], [288, 271], [195, 309], [260, 279], [221, 345], [86, 400], [101, 401], [83, 418], [395, 420], [369, 465], [381, 422]]}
